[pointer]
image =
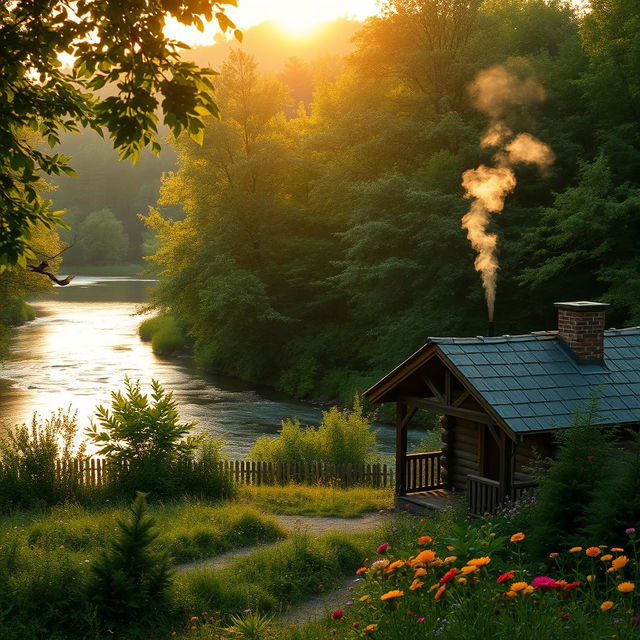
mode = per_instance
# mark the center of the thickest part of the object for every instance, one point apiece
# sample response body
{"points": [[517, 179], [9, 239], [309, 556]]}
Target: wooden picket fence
{"points": [[94, 472]]}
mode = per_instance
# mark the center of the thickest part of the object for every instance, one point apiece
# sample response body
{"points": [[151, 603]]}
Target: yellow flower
{"points": [[468, 569], [462, 581], [593, 552], [370, 628], [451, 548], [517, 537], [450, 559], [416, 584], [619, 562], [590, 578], [479, 562], [626, 587], [519, 586], [606, 605], [424, 556], [528, 590], [364, 598], [575, 549], [392, 594]]}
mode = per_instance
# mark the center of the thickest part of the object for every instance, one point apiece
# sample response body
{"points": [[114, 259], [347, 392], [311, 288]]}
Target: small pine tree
{"points": [[616, 501], [130, 581], [566, 490]]}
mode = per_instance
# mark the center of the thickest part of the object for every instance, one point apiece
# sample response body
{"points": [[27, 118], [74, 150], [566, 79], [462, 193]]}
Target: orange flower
{"points": [[416, 584], [394, 565], [528, 590], [554, 554], [364, 598], [420, 572], [390, 595], [450, 559], [451, 547], [626, 587], [518, 537], [448, 577], [462, 581], [424, 556], [468, 569], [361, 570], [425, 540], [575, 549], [606, 605], [593, 552], [370, 628], [619, 562], [519, 586], [440, 592], [479, 562], [510, 594], [505, 577], [617, 549], [606, 557]]}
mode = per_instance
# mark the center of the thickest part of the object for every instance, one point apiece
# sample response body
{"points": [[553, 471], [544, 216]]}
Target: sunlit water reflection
{"points": [[85, 341]]}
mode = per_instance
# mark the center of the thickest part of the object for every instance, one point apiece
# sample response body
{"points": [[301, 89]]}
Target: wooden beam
{"points": [[449, 410], [447, 385], [407, 419], [461, 398], [434, 390], [505, 476]]}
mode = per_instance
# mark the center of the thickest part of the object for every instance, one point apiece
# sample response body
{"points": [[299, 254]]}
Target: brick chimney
{"points": [[581, 329]]}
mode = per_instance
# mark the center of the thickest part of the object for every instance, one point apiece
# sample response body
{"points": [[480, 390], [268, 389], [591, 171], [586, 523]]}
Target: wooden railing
{"points": [[424, 471], [94, 472], [483, 495]]}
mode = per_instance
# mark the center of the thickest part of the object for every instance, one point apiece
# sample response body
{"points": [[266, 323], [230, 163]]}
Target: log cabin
{"points": [[502, 398]]}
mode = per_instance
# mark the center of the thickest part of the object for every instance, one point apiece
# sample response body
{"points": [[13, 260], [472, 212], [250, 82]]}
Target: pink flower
{"points": [[420, 619], [543, 582], [382, 548], [630, 531]]}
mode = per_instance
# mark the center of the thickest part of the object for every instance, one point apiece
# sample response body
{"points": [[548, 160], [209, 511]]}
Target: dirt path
{"points": [[316, 526]]}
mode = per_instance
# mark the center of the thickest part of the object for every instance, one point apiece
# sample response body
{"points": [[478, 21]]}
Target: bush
{"points": [[29, 457], [343, 437], [165, 334], [565, 491], [144, 440], [130, 581]]}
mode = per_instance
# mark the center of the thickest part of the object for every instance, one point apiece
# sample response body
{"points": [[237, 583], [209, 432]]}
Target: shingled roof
{"points": [[534, 383]]}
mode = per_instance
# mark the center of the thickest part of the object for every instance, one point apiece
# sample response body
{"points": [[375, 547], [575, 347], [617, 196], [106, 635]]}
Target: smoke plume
{"points": [[496, 92]]}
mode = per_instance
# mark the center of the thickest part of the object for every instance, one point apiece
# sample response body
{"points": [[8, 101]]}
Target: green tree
{"points": [[101, 238], [131, 579], [116, 45]]}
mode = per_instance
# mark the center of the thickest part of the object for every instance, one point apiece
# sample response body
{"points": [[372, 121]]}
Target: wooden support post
{"points": [[506, 476], [401, 449]]}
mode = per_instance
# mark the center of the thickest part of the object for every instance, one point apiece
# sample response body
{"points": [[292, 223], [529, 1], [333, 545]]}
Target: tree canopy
{"points": [[124, 72]]}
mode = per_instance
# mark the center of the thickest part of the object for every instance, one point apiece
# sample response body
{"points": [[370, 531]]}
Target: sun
{"points": [[298, 18]]}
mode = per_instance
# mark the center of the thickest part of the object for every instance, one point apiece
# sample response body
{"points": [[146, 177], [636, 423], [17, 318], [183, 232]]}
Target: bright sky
{"points": [[298, 17]]}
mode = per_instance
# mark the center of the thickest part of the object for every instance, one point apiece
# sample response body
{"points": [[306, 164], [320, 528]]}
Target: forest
{"points": [[310, 238], [319, 249]]}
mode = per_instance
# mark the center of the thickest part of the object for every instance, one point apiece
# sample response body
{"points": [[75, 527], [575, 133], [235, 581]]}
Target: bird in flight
{"points": [[44, 266]]}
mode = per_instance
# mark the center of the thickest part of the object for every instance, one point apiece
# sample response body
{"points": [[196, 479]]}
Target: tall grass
{"points": [[165, 334]]}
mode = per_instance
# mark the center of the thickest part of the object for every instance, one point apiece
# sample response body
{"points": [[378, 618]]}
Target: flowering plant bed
{"points": [[449, 588]]}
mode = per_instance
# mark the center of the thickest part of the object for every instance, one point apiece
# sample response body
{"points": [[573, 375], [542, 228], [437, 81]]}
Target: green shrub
{"points": [[165, 334], [343, 437], [565, 491], [615, 505], [29, 457], [130, 581]]}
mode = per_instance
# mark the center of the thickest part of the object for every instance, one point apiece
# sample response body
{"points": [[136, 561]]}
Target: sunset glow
{"points": [[297, 17]]}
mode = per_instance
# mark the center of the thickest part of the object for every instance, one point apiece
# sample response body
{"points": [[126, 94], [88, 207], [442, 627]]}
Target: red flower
{"points": [[338, 614], [448, 577], [505, 577]]}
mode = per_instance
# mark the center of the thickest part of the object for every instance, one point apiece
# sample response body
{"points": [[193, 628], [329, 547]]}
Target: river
{"points": [[83, 343]]}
